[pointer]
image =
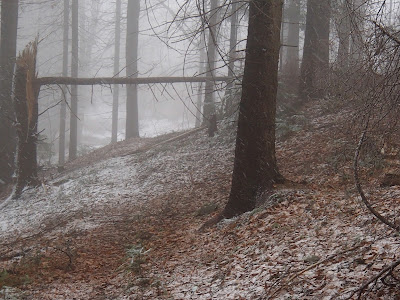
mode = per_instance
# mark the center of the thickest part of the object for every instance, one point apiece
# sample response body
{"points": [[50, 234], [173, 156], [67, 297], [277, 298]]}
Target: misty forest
{"points": [[200, 149]]}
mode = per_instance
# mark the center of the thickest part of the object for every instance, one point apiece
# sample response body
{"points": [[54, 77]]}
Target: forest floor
{"points": [[123, 222]]}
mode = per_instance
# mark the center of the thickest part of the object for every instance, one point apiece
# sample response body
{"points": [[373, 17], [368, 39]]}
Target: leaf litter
{"points": [[122, 223]]}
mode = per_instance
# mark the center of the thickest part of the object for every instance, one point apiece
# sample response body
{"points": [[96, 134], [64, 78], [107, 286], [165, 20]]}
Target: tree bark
{"points": [[8, 46], [73, 128], [117, 49], [357, 31], [344, 35], [209, 104], [316, 50], [202, 69], [122, 80], [26, 109], [255, 169], [232, 58], [291, 67], [63, 108], [132, 41]]}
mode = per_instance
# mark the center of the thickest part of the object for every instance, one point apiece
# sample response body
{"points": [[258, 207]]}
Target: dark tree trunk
{"points": [[63, 109], [255, 169], [26, 110], [315, 63], [8, 45], [209, 104], [132, 42], [291, 68], [117, 46], [73, 128]]}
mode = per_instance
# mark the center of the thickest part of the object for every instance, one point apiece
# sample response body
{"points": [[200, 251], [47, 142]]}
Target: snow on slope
{"points": [[308, 242]]}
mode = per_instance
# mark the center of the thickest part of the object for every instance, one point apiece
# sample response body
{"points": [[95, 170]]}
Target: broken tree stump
{"points": [[26, 94]]}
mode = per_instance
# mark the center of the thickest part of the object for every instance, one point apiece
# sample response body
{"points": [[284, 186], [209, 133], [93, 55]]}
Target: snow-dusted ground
{"points": [[308, 241], [113, 182]]}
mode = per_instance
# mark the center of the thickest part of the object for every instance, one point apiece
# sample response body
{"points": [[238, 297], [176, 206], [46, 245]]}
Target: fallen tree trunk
{"points": [[123, 80]]}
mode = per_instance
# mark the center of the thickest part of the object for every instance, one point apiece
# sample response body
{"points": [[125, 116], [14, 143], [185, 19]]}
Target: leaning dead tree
{"points": [[26, 93]]}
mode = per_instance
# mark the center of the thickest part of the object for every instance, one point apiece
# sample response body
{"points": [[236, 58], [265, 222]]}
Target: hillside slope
{"points": [[122, 223]]}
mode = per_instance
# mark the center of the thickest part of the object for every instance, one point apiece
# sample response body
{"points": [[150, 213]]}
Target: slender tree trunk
{"points": [[26, 109], [202, 69], [92, 30], [132, 41], [85, 41], [344, 35], [84, 37], [73, 140], [8, 46], [209, 104], [291, 68], [255, 168], [63, 109], [117, 50], [283, 27], [316, 49], [390, 12], [232, 58], [357, 31]]}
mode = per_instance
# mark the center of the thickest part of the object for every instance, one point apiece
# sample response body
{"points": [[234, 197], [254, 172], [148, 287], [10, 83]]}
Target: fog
{"points": [[166, 48]]}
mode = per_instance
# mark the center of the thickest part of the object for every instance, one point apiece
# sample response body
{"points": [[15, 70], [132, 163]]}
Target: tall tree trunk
{"points": [[343, 34], [73, 140], [84, 38], [357, 30], [117, 50], [63, 109], [202, 69], [8, 46], [232, 57], [316, 49], [283, 27], [255, 168], [85, 41], [26, 109], [132, 41], [93, 28], [209, 104], [291, 68]]}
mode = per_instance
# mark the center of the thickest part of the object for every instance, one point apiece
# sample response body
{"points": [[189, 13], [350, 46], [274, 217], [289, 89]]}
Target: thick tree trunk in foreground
{"points": [[132, 41], [73, 128], [26, 110], [315, 63], [8, 45], [117, 46], [63, 109], [255, 168]]}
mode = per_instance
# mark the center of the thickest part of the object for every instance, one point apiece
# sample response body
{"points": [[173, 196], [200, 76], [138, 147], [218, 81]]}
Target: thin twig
{"points": [[297, 274], [373, 279]]}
